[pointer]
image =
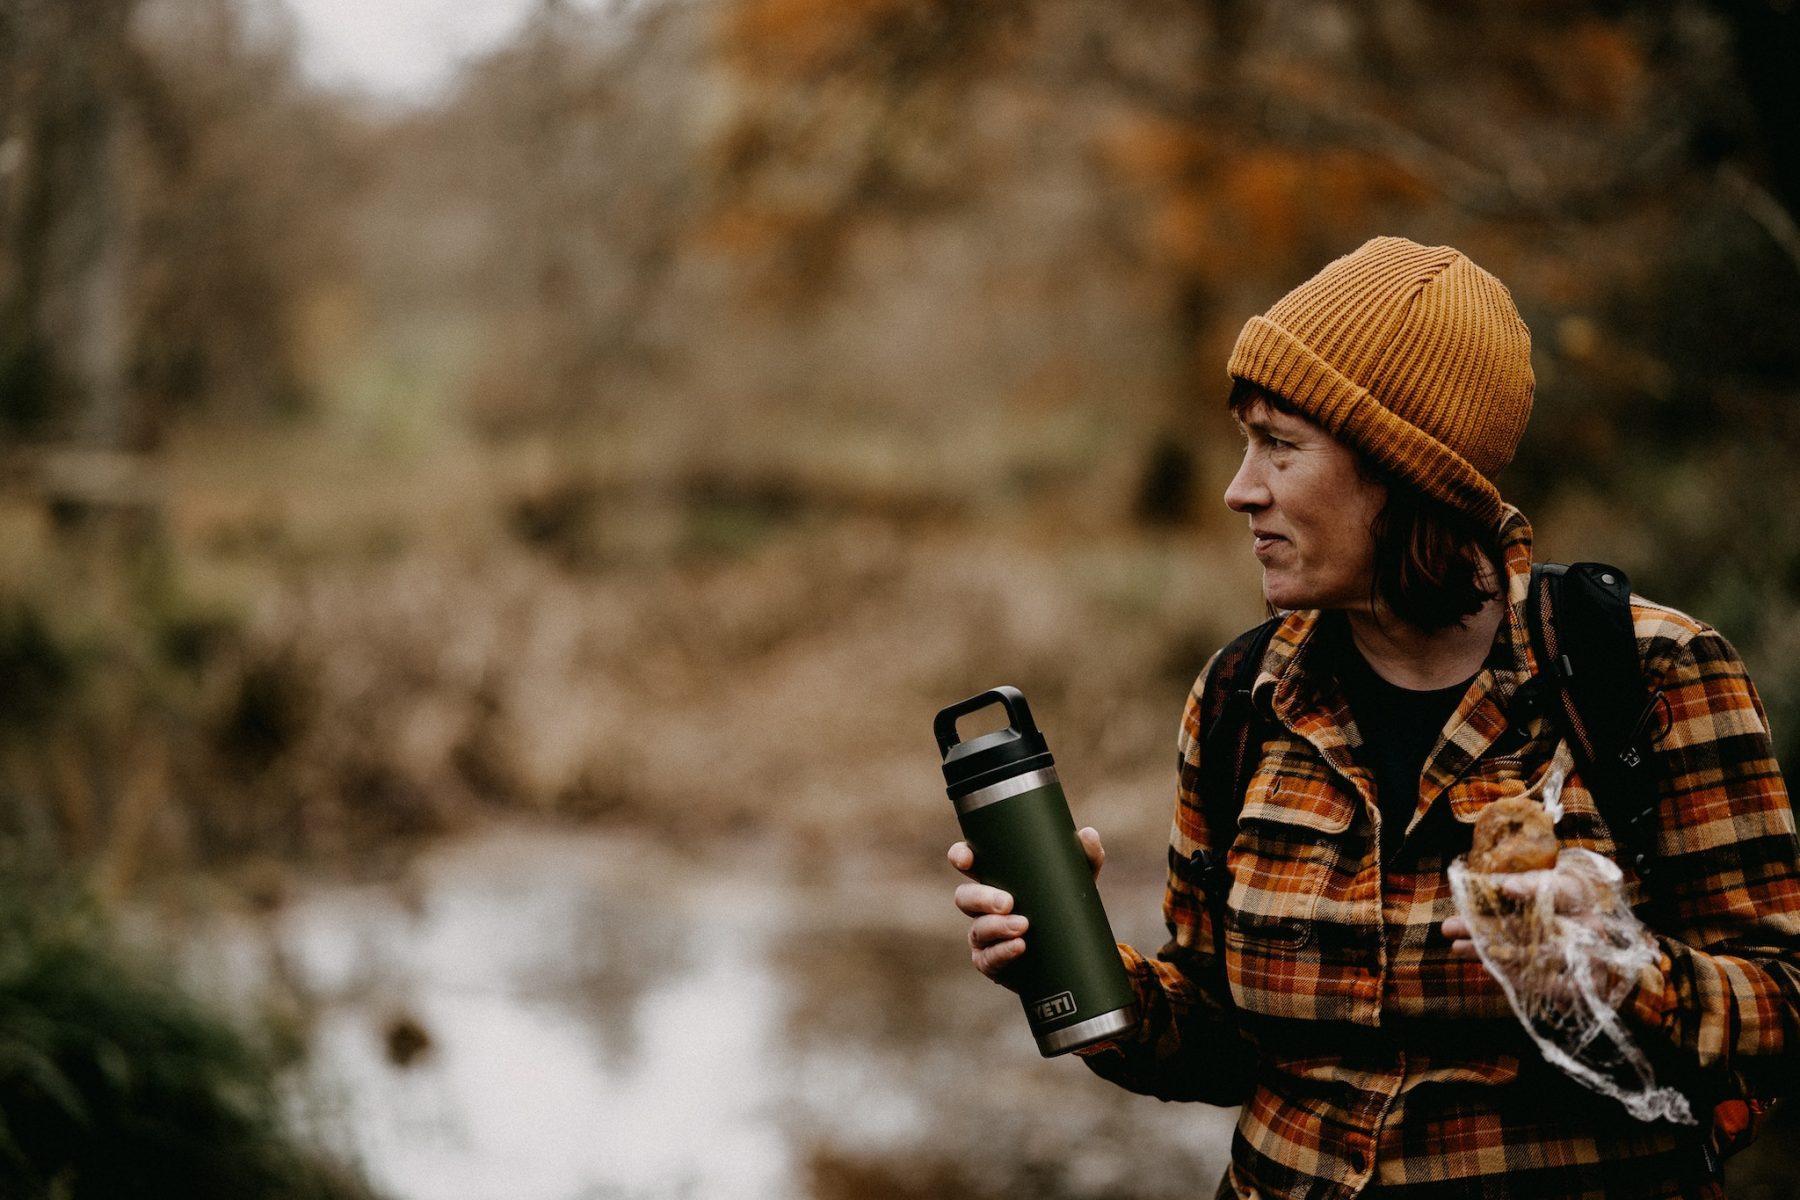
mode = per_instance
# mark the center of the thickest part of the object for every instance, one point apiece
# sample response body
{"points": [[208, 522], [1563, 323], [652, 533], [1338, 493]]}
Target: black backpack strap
{"points": [[1591, 676], [1582, 631], [1233, 733]]}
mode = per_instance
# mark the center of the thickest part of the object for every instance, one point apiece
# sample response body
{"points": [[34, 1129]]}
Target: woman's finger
{"points": [[990, 960], [1090, 846], [974, 899], [989, 931]]}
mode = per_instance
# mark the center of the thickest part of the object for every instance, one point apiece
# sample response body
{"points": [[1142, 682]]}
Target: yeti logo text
{"points": [[1060, 1005]]}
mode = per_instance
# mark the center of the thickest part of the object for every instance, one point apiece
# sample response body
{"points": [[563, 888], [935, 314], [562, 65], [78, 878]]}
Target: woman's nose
{"points": [[1246, 493]]}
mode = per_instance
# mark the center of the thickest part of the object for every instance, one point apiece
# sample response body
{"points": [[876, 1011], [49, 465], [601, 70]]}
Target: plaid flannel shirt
{"points": [[1371, 1061]]}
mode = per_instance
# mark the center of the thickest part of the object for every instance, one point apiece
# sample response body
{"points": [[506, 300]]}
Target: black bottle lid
{"points": [[975, 764]]}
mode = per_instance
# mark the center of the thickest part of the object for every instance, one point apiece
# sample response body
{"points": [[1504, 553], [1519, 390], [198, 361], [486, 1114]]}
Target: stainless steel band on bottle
{"points": [[1094, 1029], [1018, 785]]}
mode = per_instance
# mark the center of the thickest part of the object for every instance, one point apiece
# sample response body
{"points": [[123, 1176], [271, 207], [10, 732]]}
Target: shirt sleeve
{"points": [[1723, 1005], [1187, 1045]]}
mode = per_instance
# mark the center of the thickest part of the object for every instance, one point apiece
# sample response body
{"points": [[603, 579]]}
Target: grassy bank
{"points": [[116, 1085]]}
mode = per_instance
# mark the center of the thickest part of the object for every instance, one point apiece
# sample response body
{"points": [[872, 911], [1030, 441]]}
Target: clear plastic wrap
{"points": [[1566, 973]]}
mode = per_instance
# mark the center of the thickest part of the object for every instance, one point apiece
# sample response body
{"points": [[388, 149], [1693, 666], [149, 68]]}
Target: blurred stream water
{"points": [[567, 1056], [595, 1017]]}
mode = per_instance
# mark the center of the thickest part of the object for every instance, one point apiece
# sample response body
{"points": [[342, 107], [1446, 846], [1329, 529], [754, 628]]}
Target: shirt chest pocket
{"points": [[1289, 840]]}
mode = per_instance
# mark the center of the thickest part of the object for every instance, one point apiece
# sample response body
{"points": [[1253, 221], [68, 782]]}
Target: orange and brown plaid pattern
{"points": [[1369, 1060]]}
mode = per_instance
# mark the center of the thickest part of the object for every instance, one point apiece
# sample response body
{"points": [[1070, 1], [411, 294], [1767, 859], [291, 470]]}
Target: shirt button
{"points": [[1359, 1161]]}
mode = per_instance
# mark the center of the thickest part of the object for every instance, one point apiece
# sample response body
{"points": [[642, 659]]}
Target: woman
{"points": [[1371, 1051]]}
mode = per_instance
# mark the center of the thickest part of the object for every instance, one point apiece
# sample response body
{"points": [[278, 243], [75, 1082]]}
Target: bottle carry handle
{"points": [[1018, 715]]}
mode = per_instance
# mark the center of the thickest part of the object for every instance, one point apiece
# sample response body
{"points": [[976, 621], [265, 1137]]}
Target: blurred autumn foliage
{"points": [[659, 425], [369, 466]]}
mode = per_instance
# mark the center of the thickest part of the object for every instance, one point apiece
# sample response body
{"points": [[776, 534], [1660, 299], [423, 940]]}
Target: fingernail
{"points": [[1015, 924]]}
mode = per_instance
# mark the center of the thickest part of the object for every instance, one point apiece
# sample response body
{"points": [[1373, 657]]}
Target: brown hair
{"points": [[1431, 560]]}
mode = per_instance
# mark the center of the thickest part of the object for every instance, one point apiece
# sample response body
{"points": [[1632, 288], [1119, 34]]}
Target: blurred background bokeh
{"points": [[492, 494]]}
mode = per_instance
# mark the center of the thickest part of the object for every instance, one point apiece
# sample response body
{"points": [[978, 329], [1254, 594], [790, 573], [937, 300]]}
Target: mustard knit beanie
{"points": [[1412, 355]]}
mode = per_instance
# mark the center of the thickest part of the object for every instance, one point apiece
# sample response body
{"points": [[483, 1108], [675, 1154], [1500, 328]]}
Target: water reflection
{"points": [[601, 1018]]}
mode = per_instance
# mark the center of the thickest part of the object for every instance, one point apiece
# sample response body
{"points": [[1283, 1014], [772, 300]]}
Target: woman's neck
{"points": [[1423, 660]]}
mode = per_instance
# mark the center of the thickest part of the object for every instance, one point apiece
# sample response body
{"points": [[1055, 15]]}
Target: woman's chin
{"points": [[1290, 599], [1279, 593]]}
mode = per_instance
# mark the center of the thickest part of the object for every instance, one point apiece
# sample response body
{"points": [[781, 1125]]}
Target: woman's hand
{"points": [[1573, 896], [1576, 898], [996, 935]]}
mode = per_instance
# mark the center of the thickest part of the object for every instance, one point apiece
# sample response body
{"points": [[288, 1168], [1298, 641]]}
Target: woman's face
{"points": [[1310, 511]]}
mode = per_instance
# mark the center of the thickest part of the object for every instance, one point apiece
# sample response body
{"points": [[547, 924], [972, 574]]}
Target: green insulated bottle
{"points": [[1014, 817]]}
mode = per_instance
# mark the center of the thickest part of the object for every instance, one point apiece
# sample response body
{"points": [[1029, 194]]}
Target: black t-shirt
{"points": [[1399, 727]]}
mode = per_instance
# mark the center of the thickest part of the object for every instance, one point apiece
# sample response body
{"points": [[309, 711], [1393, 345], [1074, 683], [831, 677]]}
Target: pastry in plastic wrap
{"points": [[1513, 833], [1565, 965]]}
